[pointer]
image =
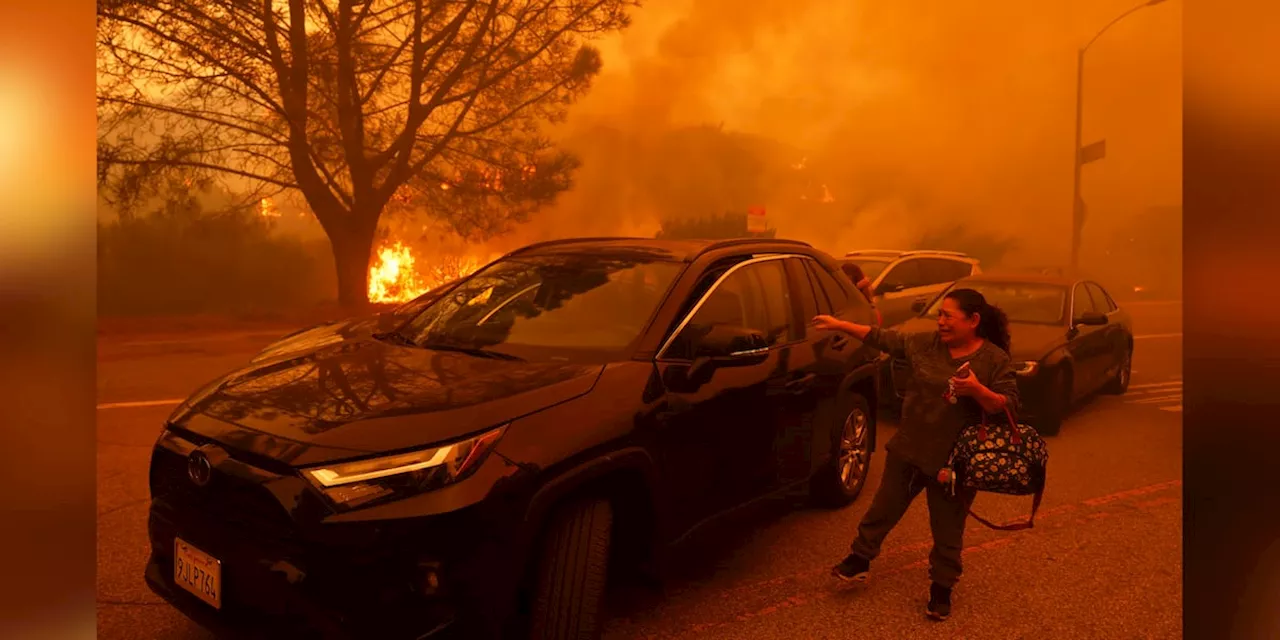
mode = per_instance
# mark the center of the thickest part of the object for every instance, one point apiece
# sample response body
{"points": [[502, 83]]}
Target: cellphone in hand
{"points": [[961, 373]]}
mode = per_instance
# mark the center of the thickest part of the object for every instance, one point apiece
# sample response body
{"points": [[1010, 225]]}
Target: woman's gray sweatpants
{"points": [[900, 485]]}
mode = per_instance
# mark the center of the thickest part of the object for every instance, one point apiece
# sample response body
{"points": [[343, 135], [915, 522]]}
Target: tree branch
{"points": [[208, 166]]}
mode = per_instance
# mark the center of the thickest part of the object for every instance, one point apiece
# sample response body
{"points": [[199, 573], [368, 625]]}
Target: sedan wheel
{"points": [[840, 482], [1120, 383], [1057, 404]]}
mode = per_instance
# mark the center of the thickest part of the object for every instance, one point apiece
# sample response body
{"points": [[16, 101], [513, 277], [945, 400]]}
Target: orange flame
{"points": [[395, 278], [267, 208], [392, 278]]}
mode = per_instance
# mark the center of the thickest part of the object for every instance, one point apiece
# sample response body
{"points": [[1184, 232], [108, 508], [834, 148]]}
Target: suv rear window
{"points": [[940, 270]]}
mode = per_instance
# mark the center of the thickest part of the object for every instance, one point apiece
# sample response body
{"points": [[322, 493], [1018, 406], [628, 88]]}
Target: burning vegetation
{"points": [[396, 277]]}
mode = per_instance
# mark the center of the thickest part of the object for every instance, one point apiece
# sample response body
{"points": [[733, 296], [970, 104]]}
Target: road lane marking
{"points": [[1157, 385], [1156, 389], [1158, 336], [1150, 303], [1177, 408], [142, 403], [1175, 397]]}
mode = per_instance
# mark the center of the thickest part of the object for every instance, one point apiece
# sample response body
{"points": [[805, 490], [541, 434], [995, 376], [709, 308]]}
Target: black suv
{"points": [[474, 468]]}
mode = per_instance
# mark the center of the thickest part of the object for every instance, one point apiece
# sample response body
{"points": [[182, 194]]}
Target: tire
{"points": [[1057, 404], [571, 576], [1120, 383], [842, 479]]}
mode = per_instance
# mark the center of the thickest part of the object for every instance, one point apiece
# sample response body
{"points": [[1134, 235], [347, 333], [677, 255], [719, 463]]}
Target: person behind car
{"points": [[863, 283], [969, 330]]}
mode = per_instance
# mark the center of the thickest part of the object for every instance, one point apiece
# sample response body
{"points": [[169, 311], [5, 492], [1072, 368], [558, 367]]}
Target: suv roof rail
{"points": [[734, 242], [876, 252], [549, 243], [934, 252], [897, 253]]}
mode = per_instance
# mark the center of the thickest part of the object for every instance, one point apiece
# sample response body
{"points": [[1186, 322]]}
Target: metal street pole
{"points": [[1077, 205], [1077, 201]]}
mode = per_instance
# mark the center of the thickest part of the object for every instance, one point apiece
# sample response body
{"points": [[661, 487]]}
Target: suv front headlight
{"points": [[363, 482]]}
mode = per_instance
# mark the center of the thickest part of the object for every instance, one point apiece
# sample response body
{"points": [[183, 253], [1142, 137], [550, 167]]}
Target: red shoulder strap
{"points": [[1018, 526]]}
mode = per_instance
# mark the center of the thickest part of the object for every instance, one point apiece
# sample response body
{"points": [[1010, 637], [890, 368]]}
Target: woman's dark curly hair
{"points": [[993, 324]]}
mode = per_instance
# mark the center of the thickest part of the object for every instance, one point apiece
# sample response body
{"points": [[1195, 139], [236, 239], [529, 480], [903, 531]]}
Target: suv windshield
{"points": [[870, 268], [592, 302], [1023, 302]]}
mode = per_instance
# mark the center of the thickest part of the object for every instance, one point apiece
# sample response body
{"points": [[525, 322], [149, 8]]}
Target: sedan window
{"points": [[1021, 302], [1100, 298], [1082, 302]]}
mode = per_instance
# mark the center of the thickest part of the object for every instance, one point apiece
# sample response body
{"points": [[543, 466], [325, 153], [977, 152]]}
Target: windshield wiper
{"points": [[471, 351]]}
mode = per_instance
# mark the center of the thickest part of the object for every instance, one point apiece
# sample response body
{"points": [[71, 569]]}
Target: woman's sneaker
{"points": [[853, 568], [939, 602]]}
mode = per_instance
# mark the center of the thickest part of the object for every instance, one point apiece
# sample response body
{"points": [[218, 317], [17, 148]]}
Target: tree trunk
{"points": [[352, 245]]}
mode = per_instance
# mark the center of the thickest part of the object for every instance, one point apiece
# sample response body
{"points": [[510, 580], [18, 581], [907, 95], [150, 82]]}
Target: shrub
{"points": [[182, 260]]}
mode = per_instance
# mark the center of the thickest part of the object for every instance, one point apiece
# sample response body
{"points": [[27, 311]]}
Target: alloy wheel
{"points": [[853, 449]]}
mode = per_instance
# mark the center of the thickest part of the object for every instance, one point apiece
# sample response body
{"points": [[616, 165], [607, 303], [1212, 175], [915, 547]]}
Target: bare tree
{"points": [[362, 106]]}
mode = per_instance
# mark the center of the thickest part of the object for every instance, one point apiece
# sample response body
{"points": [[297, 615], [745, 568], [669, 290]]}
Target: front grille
{"points": [[234, 501]]}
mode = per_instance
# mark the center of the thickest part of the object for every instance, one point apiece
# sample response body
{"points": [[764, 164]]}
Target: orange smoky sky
{"points": [[967, 109]]}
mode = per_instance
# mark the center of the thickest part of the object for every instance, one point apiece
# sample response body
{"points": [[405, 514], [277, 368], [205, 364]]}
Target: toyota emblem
{"points": [[199, 468]]}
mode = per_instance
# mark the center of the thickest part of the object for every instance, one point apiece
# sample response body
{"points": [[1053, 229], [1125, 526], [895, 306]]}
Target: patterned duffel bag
{"points": [[1009, 460]]}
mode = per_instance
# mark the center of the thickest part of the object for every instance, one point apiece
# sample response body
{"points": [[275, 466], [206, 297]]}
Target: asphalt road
{"points": [[1104, 561]]}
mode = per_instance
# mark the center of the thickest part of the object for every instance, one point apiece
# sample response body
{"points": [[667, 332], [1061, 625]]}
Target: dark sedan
{"points": [[1070, 340], [477, 467]]}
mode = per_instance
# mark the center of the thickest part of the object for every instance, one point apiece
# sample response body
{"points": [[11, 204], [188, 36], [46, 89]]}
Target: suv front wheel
{"points": [[571, 572]]}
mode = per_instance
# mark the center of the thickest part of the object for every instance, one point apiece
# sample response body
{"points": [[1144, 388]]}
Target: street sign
{"points": [[756, 220], [1093, 152]]}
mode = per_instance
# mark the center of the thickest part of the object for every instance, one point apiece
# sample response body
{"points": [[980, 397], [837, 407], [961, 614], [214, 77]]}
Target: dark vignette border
{"points": [[47, 314], [1231, 517]]}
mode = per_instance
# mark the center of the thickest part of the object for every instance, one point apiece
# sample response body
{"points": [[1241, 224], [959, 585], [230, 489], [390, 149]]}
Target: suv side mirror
{"points": [[733, 346], [1091, 319], [726, 346]]}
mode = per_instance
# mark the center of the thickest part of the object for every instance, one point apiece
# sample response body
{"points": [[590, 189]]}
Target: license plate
{"points": [[197, 572]]}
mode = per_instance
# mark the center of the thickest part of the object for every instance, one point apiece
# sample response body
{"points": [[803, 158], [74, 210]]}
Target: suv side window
{"points": [[827, 282], [803, 287], [1101, 300], [824, 303], [904, 275], [855, 302], [1081, 301], [942, 270], [739, 301], [778, 307]]}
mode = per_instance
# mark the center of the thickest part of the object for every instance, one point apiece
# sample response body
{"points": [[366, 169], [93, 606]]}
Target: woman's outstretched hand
{"points": [[828, 323]]}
